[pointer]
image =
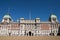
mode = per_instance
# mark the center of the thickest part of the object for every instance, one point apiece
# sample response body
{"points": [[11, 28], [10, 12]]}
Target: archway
{"points": [[29, 33], [52, 34], [58, 31], [9, 34]]}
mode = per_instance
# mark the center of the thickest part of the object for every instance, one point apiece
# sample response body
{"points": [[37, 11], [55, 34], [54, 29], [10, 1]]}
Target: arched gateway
{"points": [[58, 31], [29, 33]]}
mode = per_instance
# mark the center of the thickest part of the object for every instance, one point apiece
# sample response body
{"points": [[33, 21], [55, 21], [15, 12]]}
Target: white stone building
{"points": [[25, 27]]}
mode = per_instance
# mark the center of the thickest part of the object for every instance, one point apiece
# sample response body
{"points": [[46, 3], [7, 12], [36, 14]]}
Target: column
{"points": [[23, 29]]}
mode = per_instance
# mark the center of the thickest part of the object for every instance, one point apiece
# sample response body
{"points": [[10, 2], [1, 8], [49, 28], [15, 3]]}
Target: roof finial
{"points": [[8, 11], [30, 15]]}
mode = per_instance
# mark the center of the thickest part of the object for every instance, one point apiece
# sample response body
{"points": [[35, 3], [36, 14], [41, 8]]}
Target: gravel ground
{"points": [[29, 37]]}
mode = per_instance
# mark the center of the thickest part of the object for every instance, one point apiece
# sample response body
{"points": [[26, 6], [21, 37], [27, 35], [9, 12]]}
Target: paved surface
{"points": [[30, 38]]}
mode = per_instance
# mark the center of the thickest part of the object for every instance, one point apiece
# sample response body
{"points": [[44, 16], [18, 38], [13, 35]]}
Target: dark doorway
{"points": [[52, 34], [32, 34], [29, 33], [9, 34], [58, 31]]}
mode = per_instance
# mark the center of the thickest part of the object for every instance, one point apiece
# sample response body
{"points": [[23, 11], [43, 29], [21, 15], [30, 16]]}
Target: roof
{"points": [[37, 18], [53, 16], [7, 16]]}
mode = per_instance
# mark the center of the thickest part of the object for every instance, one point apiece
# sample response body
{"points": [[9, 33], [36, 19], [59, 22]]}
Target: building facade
{"points": [[23, 27]]}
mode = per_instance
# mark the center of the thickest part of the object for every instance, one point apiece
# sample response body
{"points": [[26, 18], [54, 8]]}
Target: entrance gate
{"points": [[29, 33]]}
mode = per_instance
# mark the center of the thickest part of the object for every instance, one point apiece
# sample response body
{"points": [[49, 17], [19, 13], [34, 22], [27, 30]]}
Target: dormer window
{"points": [[54, 19], [5, 19]]}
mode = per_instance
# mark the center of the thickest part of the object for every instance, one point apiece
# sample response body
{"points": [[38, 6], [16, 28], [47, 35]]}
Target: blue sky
{"points": [[37, 8]]}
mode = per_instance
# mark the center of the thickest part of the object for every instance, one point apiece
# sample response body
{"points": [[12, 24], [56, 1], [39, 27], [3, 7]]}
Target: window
{"points": [[54, 19]]}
